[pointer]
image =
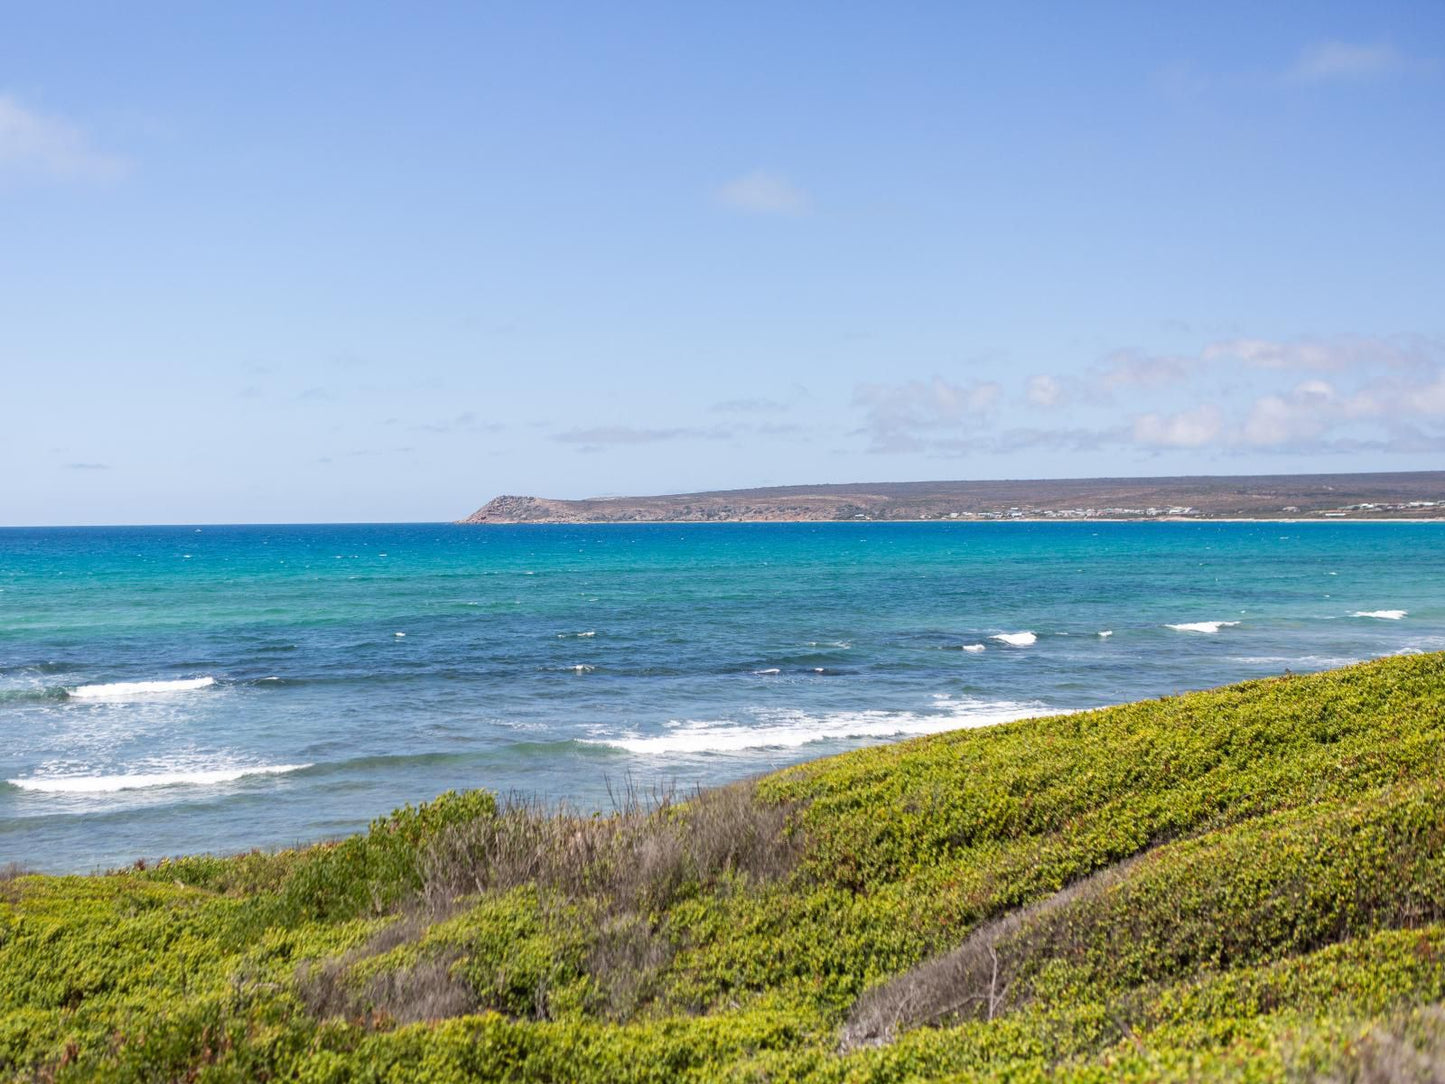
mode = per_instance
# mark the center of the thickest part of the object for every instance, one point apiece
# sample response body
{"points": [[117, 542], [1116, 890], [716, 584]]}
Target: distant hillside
{"points": [[1412, 494]]}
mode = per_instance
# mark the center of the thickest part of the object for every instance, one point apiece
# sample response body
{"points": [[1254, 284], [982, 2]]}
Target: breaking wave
{"points": [[1209, 627], [791, 729], [101, 784], [128, 690], [1016, 639]]}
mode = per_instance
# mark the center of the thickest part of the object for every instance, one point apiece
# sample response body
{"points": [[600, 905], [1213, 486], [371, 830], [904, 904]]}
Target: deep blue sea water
{"points": [[177, 689]]}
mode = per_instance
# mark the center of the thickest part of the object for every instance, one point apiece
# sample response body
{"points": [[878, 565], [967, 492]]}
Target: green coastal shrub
{"points": [[1243, 884], [1279, 885]]}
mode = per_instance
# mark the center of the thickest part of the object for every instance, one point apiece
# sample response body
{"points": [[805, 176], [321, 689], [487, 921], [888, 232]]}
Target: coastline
{"points": [[940, 884], [1385, 495], [541, 659], [944, 522]]}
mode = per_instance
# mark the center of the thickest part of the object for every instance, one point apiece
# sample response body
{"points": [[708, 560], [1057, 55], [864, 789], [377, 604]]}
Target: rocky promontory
{"points": [[1395, 495]]}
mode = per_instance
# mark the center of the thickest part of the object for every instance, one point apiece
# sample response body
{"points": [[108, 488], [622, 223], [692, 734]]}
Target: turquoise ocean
{"points": [[168, 690]]}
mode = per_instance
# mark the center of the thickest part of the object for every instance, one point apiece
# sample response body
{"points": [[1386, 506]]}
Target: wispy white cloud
{"points": [[1117, 372], [1268, 354], [758, 404], [1351, 393], [1305, 395], [1298, 416], [1185, 429], [1184, 79], [465, 422], [765, 193], [595, 438], [1381, 413], [1313, 409], [1359, 356], [1426, 399], [903, 417], [35, 144], [1068, 439], [1134, 369], [1043, 390], [1341, 61], [1318, 63], [777, 429], [1321, 354], [749, 406]]}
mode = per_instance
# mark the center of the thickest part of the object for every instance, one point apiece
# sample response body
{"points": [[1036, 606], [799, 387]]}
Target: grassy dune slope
{"points": [[1247, 883]]}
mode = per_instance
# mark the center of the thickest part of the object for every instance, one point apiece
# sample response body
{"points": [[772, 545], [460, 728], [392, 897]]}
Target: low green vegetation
{"points": [[1247, 884]]}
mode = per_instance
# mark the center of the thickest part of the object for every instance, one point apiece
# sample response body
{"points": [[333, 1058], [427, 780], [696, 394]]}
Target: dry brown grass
{"points": [[629, 865], [974, 980], [627, 960], [1409, 1050], [427, 990], [640, 858], [9, 874], [424, 990], [632, 865]]}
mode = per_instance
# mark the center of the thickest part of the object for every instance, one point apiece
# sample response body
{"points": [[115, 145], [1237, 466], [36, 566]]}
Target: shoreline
{"points": [[945, 522], [443, 937], [1363, 495], [866, 629], [143, 862]]}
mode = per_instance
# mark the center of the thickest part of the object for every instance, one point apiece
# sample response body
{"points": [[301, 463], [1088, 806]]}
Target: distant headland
{"points": [[1416, 495]]}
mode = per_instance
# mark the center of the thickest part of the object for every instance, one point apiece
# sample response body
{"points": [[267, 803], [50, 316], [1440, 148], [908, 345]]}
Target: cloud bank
{"points": [[1307, 395]]}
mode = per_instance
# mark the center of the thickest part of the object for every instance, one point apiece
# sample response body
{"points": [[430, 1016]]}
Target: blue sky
{"points": [[275, 263]]}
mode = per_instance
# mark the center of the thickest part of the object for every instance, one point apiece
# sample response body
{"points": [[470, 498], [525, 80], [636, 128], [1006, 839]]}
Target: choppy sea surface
{"points": [[167, 690]]}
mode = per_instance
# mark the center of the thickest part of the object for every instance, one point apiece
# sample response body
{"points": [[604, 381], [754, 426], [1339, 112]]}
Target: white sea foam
{"points": [[126, 690], [582, 668], [577, 635], [1311, 661], [1424, 643], [974, 648], [1015, 639], [100, 784], [1209, 627], [769, 670], [1383, 615], [1104, 634], [399, 635], [791, 729]]}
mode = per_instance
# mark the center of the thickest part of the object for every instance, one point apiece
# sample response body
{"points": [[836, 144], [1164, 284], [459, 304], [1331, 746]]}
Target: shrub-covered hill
{"points": [[1247, 883]]}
